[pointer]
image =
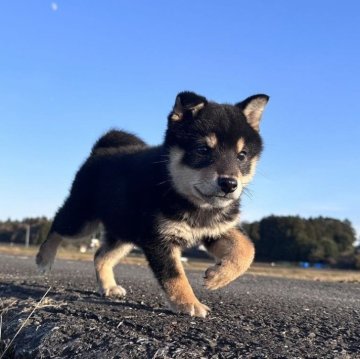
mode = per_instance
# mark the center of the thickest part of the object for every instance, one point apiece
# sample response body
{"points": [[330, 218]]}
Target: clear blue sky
{"points": [[70, 70]]}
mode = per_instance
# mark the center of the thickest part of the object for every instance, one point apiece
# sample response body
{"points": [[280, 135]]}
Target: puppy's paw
{"points": [[115, 292], [195, 309], [44, 265], [220, 275]]}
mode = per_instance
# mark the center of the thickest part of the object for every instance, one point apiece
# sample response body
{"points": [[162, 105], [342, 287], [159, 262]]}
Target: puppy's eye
{"points": [[202, 150], [242, 156]]}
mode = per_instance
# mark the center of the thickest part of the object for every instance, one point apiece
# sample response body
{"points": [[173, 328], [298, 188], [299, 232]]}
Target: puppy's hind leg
{"points": [[70, 222], [48, 249], [106, 258], [47, 252]]}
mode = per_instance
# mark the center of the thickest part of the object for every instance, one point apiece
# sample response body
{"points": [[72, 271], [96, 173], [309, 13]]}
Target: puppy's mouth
{"points": [[224, 197]]}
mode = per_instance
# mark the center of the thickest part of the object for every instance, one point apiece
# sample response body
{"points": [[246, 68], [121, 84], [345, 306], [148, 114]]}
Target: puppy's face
{"points": [[213, 148]]}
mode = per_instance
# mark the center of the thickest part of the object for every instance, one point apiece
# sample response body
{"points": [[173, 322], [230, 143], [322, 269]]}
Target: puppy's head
{"points": [[213, 148]]}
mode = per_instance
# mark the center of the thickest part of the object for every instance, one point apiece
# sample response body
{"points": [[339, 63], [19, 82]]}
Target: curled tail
{"points": [[116, 141]]}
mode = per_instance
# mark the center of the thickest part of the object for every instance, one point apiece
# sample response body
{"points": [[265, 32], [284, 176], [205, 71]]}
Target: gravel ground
{"points": [[254, 317]]}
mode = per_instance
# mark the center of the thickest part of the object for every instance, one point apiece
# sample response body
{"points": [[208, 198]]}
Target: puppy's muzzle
{"points": [[227, 184]]}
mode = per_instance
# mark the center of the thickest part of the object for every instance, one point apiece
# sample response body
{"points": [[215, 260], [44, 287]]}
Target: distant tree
{"points": [[14, 231], [252, 229], [42, 232], [291, 238]]}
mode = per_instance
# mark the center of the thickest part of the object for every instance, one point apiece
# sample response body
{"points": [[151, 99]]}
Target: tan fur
{"points": [[105, 260], [178, 110], [192, 235], [179, 292], [245, 180], [211, 140], [240, 145], [234, 253], [176, 116], [197, 108], [254, 111]]}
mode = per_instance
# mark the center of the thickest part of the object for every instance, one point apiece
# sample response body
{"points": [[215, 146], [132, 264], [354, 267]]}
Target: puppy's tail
{"points": [[116, 141]]}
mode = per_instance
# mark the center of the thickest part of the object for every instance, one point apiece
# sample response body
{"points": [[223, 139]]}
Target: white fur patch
{"points": [[192, 235], [183, 176], [188, 181]]}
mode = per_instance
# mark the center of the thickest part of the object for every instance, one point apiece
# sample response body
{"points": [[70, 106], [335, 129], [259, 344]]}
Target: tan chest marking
{"points": [[192, 235]]}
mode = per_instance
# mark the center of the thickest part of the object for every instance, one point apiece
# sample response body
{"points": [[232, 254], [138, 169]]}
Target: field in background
{"points": [[261, 269]]}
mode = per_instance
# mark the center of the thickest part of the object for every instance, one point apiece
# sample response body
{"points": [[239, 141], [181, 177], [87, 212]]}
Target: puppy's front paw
{"points": [[220, 275], [195, 309], [116, 291]]}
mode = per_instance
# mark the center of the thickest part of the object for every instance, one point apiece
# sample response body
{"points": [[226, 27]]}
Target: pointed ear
{"points": [[253, 108], [187, 103]]}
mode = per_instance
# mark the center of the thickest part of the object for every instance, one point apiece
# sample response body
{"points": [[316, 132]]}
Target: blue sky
{"points": [[70, 70]]}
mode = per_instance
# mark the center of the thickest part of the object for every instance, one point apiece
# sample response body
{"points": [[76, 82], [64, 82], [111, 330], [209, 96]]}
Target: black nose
{"points": [[227, 184]]}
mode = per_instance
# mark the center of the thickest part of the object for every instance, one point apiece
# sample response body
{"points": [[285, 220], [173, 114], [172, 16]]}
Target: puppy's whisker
{"points": [[262, 174], [163, 182], [202, 182], [248, 193], [165, 161]]}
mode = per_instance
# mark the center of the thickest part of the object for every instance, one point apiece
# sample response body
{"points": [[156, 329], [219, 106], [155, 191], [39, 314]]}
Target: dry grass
{"points": [[23, 324], [263, 269], [331, 275], [63, 253]]}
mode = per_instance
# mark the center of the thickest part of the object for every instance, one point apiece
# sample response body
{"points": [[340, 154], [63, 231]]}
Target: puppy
{"points": [[166, 198]]}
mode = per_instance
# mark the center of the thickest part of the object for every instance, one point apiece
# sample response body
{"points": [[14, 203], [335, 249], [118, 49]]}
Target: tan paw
{"points": [[116, 291], [195, 309], [220, 275]]}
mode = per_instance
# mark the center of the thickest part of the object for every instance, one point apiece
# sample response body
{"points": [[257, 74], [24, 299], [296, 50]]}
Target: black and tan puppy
{"points": [[167, 198]]}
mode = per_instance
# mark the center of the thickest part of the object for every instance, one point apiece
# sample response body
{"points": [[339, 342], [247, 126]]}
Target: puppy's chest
{"points": [[188, 232]]}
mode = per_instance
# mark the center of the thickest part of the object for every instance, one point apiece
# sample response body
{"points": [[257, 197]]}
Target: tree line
{"points": [[14, 231], [315, 240], [277, 238]]}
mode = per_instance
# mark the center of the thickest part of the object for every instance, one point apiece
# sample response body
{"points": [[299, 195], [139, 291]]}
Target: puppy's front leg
{"points": [[168, 269], [234, 253]]}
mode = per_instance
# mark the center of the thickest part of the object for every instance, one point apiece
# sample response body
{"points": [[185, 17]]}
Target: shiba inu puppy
{"points": [[166, 198]]}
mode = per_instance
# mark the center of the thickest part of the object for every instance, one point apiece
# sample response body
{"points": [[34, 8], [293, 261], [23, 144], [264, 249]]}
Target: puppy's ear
{"points": [[187, 103], [253, 108]]}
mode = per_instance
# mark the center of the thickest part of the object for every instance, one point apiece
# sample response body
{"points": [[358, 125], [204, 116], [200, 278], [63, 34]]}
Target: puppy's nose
{"points": [[227, 184]]}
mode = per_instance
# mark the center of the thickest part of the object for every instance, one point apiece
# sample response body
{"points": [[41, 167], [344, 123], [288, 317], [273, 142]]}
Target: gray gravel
{"points": [[255, 317]]}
